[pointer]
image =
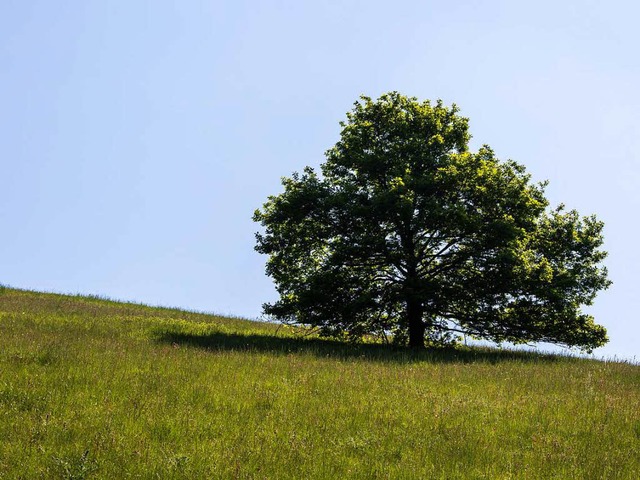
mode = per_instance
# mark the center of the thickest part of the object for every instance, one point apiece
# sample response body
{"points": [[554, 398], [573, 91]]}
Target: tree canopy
{"points": [[405, 233]]}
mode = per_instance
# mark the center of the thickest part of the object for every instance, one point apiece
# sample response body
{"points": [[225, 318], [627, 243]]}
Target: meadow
{"points": [[93, 388]]}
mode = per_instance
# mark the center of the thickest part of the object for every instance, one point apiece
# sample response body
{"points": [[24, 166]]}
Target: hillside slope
{"points": [[92, 388]]}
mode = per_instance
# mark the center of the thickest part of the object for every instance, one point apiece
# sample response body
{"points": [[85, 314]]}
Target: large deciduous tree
{"points": [[407, 232]]}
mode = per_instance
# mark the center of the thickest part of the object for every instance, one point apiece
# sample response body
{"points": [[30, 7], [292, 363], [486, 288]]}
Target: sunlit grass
{"points": [[91, 388]]}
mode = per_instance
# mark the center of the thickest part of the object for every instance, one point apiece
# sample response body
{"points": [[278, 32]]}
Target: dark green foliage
{"points": [[407, 231]]}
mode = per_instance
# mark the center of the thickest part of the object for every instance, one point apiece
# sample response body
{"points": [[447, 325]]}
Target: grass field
{"points": [[91, 388]]}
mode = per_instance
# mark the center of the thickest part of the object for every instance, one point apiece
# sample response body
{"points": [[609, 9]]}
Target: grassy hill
{"points": [[91, 388]]}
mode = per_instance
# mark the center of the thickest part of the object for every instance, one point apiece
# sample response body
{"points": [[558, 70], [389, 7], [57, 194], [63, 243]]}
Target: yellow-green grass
{"points": [[91, 388]]}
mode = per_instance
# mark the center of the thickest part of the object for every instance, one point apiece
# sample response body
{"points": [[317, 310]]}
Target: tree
{"points": [[407, 232]]}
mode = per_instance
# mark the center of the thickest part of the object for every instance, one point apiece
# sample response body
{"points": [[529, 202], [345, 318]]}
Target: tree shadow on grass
{"points": [[288, 345]]}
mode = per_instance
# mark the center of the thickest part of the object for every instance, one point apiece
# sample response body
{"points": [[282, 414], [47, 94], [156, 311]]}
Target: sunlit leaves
{"points": [[404, 227]]}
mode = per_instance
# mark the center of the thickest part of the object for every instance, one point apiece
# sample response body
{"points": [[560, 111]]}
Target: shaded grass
{"points": [[99, 389], [273, 343]]}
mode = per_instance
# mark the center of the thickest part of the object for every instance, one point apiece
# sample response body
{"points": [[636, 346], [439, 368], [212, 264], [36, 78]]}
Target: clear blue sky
{"points": [[137, 137]]}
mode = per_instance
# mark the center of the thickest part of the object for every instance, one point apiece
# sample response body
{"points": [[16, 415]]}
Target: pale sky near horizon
{"points": [[138, 137]]}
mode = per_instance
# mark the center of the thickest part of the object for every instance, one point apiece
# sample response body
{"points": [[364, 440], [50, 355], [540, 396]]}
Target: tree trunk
{"points": [[415, 311]]}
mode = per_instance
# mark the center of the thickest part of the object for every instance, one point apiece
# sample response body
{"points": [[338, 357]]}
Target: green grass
{"points": [[92, 388]]}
